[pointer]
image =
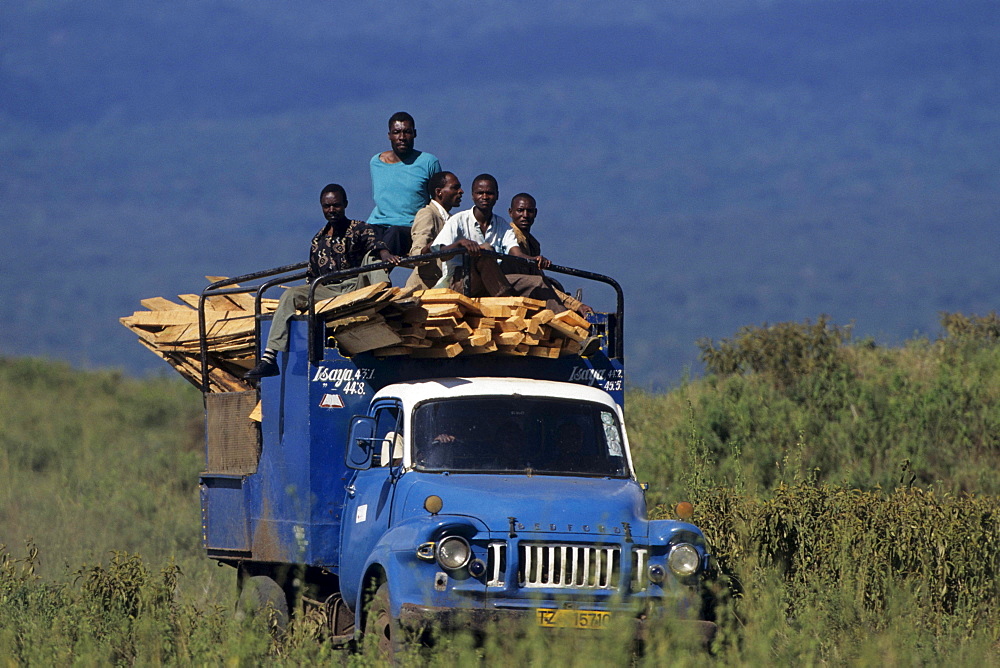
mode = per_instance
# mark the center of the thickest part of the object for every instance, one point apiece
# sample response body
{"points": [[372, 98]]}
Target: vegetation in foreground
{"points": [[845, 489]]}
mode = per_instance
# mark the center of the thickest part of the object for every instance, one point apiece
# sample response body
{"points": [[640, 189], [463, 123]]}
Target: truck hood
{"points": [[538, 504]]}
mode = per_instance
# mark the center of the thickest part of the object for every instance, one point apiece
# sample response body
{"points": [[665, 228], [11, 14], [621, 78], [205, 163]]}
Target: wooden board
{"points": [[573, 319], [162, 304], [366, 336]]}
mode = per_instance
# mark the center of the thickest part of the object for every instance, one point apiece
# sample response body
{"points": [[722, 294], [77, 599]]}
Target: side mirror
{"points": [[359, 443]]}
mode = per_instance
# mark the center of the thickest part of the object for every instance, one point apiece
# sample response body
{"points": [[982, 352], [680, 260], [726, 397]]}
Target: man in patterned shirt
{"points": [[341, 244]]}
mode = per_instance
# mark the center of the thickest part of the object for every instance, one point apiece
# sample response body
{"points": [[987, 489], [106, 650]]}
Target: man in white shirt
{"points": [[479, 228], [474, 229]]}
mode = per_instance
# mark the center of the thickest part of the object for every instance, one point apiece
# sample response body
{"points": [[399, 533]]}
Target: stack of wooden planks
{"points": [[444, 323], [170, 329], [384, 320]]}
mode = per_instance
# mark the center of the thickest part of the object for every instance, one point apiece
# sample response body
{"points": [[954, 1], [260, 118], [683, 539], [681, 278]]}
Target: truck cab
{"points": [[400, 493], [508, 497]]}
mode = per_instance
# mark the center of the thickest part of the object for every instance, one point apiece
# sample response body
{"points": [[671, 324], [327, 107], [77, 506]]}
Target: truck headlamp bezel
{"points": [[452, 553], [657, 573], [684, 560]]}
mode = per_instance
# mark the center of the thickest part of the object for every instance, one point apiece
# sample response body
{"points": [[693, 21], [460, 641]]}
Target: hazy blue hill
{"points": [[729, 162]]}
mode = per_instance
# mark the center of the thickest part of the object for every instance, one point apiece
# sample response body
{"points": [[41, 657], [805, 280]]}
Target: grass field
{"points": [[848, 494]]}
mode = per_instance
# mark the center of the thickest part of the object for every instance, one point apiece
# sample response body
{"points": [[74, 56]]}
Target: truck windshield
{"points": [[517, 434]]}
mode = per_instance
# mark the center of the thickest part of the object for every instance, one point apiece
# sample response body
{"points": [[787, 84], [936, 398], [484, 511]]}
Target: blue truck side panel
{"points": [[223, 504]]}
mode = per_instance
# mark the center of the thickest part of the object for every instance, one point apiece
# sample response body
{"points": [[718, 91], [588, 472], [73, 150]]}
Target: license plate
{"points": [[572, 619]]}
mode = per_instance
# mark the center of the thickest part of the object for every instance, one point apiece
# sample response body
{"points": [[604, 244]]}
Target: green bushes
{"points": [[848, 491], [120, 613], [94, 461], [942, 552], [856, 414]]}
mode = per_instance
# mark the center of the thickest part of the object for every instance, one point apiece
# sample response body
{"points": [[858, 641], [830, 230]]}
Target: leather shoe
{"points": [[590, 346], [263, 369]]}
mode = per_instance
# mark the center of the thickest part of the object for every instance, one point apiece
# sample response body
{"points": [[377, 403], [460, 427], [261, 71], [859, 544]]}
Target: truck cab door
{"points": [[368, 505]]}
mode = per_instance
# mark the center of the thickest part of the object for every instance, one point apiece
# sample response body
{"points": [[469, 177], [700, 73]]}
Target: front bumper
{"points": [[419, 619]]}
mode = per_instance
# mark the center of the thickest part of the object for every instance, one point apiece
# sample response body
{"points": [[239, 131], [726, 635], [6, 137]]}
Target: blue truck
{"points": [[394, 495]]}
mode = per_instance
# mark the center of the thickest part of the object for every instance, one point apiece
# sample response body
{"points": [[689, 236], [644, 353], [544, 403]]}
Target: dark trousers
{"points": [[488, 280], [396, 238]]}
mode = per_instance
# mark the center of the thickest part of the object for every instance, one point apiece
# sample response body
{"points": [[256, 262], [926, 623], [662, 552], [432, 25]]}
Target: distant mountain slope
{"points": [[728, 162]]}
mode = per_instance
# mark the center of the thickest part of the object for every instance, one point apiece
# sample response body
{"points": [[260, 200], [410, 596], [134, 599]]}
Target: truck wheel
{"points": [[262, 596], [379, 624]]}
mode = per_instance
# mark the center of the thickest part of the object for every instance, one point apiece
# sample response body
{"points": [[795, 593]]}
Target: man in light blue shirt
{"points": [[399, 184]]}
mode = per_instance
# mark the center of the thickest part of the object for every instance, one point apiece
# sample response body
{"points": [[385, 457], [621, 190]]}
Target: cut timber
{"points": [[351, 298], [502, 311], [243, 300], [539, 319], [222, 303], [181, 317], [477, 322], [513, 324], [444, 295], [569, 331], [365, 336], [442, 322], [437, 332], [256, 414], [509, 338], [190, 300], [481, 337], [162, 304], [384, 320], [466, 328], [189, 367], [511, 302], [572, 318], [444, 310]]}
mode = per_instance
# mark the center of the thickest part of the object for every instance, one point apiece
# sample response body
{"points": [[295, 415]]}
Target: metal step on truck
{"points": [[397, 495]]}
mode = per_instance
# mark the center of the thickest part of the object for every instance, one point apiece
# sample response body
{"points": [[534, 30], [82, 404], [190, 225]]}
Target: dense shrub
{"points": [[786, 351], [941, 551], [805, 397], [834, 480]]}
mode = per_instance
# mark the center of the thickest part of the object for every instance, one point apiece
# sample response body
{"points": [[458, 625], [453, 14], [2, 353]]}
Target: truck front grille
{"points": [[562, 565], [568, 565]]}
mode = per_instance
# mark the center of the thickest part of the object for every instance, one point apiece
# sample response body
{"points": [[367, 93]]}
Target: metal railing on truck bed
{"points": [[294, 272]]}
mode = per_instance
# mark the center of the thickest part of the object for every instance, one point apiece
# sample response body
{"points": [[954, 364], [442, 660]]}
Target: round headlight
{"points": [[657, 573], [684, 560], [453, 552]]}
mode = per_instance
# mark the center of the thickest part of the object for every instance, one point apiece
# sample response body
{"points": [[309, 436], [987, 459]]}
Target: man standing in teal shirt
{"points": [[399, 184]]}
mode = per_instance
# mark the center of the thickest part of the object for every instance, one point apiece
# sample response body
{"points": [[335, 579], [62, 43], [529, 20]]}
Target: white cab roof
{"points": [[413, 392]]}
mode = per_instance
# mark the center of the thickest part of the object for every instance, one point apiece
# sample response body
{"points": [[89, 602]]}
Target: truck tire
{"points": [[262, 596], [380, 625]]}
